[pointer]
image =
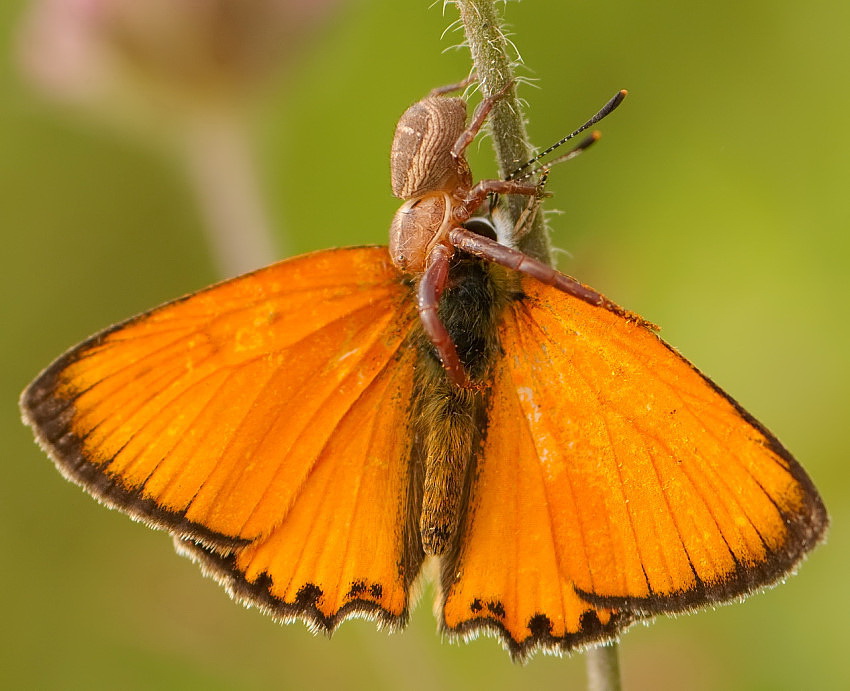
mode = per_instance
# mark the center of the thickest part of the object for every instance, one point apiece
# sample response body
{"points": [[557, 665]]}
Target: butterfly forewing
{"points": [[267, 415], [628, 481]]}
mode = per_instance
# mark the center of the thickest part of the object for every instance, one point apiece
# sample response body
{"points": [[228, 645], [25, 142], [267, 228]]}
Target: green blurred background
{"points": [[716, 205]]}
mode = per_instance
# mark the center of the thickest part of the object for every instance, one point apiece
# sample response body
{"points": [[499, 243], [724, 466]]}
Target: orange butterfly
{"points": [[312, 432]]}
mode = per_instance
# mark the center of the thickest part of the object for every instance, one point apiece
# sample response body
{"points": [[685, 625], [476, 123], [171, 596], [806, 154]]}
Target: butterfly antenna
{"points": [[584, 144], [607, 109]]}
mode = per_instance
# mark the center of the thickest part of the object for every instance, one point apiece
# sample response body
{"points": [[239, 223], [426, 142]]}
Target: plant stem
{"points": [[603, 668], [494, 67], [220, 165]]}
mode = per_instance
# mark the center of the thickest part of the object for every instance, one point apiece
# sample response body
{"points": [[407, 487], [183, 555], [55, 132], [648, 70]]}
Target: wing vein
{"points": [[527, 346], [320, 451]]}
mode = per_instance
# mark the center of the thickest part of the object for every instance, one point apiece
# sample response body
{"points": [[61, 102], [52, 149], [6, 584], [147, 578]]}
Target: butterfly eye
{"points": [[481, 225]]}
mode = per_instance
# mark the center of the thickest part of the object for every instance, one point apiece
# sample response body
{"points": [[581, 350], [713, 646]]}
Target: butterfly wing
{"points": [[263, 421], [615, 479]]}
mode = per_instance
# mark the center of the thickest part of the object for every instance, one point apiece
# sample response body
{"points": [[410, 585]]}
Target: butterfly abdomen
{"points": [[450, 420]]}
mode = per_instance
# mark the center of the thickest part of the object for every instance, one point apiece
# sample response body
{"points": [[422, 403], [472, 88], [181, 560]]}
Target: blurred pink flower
{"points": [[184, 71], [168, 53]]}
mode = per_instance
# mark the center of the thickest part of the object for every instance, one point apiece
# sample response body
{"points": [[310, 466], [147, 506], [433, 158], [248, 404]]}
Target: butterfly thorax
{"points": [[449, 420]]}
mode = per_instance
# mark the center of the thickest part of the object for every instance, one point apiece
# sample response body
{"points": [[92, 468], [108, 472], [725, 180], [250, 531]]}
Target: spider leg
{"points": [[482, 189], [477, 122], [449, 88], [429, 291], [490, 250], [529, 213]]}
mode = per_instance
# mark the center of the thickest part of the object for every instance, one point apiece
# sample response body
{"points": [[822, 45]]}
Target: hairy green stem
{"points": [[491, 55], [494, 66]]}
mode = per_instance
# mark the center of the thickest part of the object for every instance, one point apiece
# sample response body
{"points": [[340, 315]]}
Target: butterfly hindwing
{"points": [[346, 545], [615, 479], [264, 422], [506, 574]]}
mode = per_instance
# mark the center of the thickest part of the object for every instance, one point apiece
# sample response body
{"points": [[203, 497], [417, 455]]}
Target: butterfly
{"points": [[315, 432]]}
